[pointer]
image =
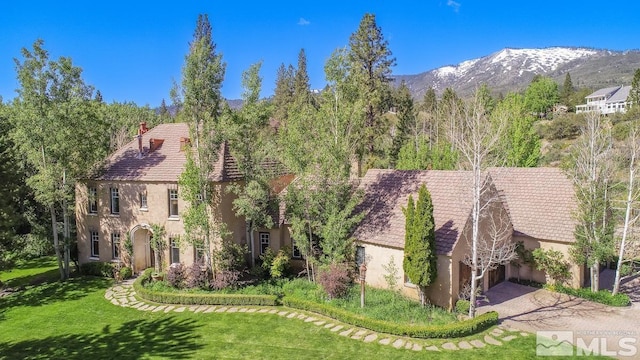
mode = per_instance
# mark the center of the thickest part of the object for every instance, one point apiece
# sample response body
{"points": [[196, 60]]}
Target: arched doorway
{"points": [[142, 253]]}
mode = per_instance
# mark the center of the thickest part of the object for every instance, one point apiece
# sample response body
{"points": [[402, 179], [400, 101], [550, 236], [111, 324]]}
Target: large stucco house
{"points": [[534, 205], [607, 101], [138, 186]]}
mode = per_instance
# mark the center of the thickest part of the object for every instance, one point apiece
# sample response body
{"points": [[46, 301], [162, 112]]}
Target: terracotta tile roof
{"points": [[541, 201], [165, 163], [387, 192]]}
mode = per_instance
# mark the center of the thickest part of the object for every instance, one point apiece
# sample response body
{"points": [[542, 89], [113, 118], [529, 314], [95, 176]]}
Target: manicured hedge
{"points": [[199, 299], [97, 268], [453, 330], [602, 296]]}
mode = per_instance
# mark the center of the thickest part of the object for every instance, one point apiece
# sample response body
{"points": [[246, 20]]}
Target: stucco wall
{"points": [[132, 216], [527, 272], [377, 257]]}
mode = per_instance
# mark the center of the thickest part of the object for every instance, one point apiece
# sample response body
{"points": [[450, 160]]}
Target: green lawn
{"points": [[72, 320]]}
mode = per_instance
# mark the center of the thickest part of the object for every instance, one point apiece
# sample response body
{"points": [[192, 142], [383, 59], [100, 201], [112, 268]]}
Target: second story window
{"points": [[173, 203], [143, 200], [93, 200], [115, 201]]}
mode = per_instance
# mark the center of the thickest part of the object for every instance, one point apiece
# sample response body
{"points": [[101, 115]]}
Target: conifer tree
{"points": [[283, 94], [567, 90], [301, 87], [406, 120], [420, 259], [371, 62]]}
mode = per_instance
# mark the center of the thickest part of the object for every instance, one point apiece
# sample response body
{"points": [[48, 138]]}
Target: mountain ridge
{"points": [[512, 69]]}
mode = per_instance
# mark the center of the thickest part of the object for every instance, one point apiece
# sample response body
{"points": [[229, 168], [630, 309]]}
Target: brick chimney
{"points": [[154, 144], [143, 128], [184, 143]]}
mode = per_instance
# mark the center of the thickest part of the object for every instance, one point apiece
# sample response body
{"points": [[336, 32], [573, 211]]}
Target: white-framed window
{"points": [[198, 254], [115, 245], [143, 200], [95, 244], [264, 242], [360, 255], [295, 251], [93, 200], [173, 202], [115, 201], [174, 250]]}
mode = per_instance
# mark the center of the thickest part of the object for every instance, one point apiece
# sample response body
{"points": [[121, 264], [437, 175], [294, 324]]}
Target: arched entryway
{"points": [[142, 253]]}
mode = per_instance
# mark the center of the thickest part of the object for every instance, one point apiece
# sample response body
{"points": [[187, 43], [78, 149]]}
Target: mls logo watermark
{"points": [[586, 343]]}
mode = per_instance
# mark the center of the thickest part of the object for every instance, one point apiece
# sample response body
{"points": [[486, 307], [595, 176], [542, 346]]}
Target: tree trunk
{"points": [[309, 275], [66, 236], [56, 241], [625, 230], [595, 277], [251, 243]]}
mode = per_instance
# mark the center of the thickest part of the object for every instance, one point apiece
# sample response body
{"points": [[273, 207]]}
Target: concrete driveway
{"points": [[530, 309]]}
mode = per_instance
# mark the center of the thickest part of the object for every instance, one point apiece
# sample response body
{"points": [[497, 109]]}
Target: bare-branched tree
{"points": [[630, 156], [591, 167], [475, 137]]}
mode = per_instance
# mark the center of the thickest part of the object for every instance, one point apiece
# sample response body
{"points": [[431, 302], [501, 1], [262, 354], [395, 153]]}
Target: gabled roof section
{"points": [[387, 193], [166, 162], [541, 201], [620, 95], [606, 92]]}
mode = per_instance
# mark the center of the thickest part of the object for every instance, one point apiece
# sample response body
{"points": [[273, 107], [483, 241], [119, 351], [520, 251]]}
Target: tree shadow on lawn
{"points": [[166, 337], [50, 292]]}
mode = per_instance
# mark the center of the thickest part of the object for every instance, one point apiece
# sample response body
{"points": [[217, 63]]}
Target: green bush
{"points": [[452, 330], [126, 273], [462, 306], [97, 268], [602, 296], [198, 298]]}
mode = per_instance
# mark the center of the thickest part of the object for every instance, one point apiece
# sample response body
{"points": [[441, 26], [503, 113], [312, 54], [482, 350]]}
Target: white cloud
{"points": [[455, 5], [303, 21]]}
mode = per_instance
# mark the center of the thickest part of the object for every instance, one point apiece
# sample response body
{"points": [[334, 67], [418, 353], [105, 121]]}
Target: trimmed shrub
{"points": [[462, 306], [126, 273], [335, 280], [602, 296], [452, 330], [97, 268], [197, 277], [224, 279], [176, 275], [280, 263], [199, 299]]}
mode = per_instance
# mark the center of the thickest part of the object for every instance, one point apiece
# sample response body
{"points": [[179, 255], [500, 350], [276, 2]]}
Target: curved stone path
{"points": [[124, 295]]}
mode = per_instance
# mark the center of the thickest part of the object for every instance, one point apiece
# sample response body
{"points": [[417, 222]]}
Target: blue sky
{"points": [[132, 50]]}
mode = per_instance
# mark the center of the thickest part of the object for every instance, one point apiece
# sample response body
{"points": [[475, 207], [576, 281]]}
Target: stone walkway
{"points": [[124, 295]]}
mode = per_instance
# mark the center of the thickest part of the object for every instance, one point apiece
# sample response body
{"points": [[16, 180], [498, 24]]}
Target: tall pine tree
{"points": [[371, 62]]}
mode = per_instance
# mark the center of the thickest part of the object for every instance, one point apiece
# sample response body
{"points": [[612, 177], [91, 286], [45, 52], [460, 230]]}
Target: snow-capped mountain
{"points": [[513, 69]]}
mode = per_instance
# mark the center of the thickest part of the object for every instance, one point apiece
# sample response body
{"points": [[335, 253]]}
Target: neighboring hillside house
{"points": [[607, 101], [537, 203], [138, 186]]}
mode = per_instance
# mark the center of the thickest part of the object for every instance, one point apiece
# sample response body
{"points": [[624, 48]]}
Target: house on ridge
{"points": [[607, 101], [138, 186], [535, 203]]}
